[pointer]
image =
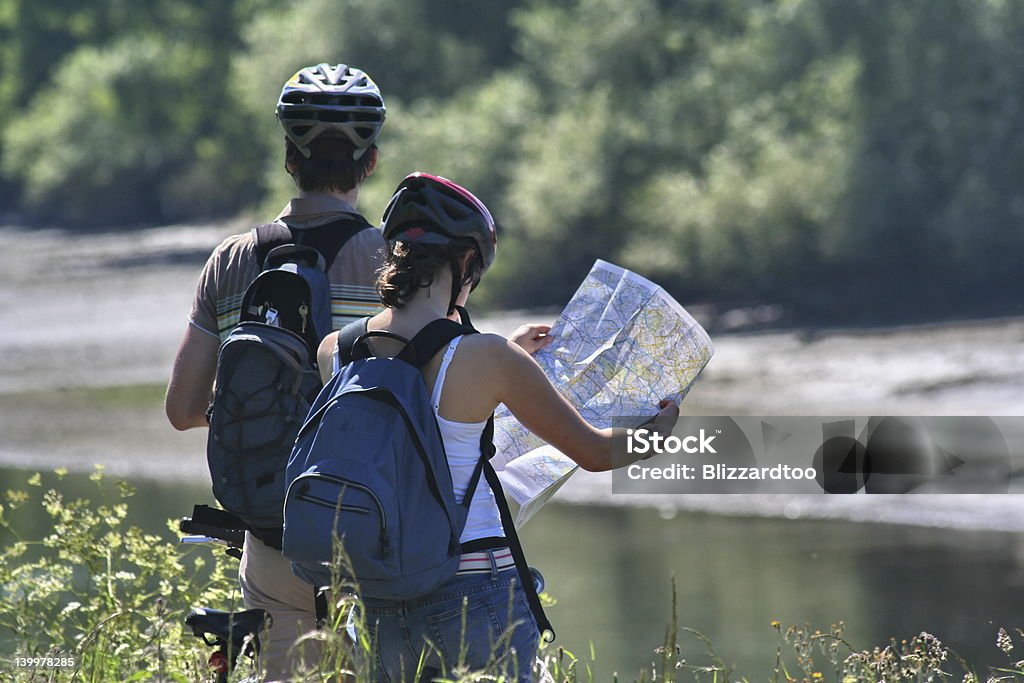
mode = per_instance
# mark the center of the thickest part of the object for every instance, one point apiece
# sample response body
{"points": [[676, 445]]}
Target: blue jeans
{"points": [[500, 631]]}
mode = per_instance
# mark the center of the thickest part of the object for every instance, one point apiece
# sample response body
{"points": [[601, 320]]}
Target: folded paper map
{"points": [[621, 345]]}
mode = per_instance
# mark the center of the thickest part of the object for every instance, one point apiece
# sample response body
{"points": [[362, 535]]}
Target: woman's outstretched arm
{"points": [[524, 388]]}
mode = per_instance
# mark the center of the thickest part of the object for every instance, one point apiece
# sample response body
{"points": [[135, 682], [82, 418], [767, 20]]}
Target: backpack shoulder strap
{"points": [[417, 352], [347, 338], [268, 236], [484, 467], [328, 239], [547, 633], [431, 339]]}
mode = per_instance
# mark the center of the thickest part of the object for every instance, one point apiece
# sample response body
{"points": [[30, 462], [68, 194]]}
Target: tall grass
{"points": [[106, 601]]}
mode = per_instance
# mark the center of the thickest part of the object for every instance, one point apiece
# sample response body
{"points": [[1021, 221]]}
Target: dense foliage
{"points": [[849, 158], [96, 598]]}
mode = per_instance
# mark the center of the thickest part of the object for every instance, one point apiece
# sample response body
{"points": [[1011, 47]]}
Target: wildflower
{"points": [[776, 625], [1003, 641], [16, 499]]}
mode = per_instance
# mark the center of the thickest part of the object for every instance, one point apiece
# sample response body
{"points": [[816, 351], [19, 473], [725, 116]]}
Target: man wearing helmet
{"points": [[331, 117]]}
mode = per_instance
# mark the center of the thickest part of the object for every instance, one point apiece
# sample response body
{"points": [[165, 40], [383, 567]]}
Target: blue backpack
{"points": [[267, 376], [369, 469]]}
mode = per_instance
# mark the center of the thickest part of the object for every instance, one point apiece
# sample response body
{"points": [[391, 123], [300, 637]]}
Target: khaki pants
{"points": [[268, 583]]}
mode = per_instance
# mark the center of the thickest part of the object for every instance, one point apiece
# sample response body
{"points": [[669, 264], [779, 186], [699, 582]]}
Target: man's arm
{"points": [[188, 392]]}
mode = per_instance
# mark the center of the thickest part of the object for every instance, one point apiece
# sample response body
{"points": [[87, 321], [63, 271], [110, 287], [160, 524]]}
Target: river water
{"points": [[88, 329]]}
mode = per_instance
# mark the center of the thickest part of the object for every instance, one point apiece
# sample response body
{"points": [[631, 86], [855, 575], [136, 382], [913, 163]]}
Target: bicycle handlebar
{"points": [[214, 525]]}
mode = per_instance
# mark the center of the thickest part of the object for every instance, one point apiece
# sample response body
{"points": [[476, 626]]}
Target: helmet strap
{"points": [[456, 281]]}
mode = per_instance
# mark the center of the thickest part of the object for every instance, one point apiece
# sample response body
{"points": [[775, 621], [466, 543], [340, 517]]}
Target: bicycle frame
{"points": [[232, 633]]}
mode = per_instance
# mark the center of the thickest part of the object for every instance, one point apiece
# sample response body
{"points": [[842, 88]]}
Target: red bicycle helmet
{"points": [[433, 210]]}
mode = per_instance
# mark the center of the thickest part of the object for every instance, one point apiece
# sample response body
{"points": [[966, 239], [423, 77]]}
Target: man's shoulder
{"points": [[363, 232], [369, 237], [233, 249], [235, 242]]}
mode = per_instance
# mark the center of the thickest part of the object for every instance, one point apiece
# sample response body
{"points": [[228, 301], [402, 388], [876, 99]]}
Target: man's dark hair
{"points": [[330, 166]]}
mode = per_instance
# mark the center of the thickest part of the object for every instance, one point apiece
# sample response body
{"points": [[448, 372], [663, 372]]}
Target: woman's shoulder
{"points": [[484, 342], [488, 350]]}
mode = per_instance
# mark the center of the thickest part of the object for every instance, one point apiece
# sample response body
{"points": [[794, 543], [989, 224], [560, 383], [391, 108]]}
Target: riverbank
{"points": [[89, 326]]}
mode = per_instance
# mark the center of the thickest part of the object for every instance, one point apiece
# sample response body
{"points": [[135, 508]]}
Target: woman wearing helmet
{"points": [[441, 240]]}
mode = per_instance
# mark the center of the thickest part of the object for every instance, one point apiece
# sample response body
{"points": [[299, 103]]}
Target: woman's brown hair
{"points": [[411, 266]]}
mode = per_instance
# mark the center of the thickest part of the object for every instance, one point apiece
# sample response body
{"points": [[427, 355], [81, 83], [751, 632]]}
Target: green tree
{"points": [[119, 113], [932, 187], [845, 157]]}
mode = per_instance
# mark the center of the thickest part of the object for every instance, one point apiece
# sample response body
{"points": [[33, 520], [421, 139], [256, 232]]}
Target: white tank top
{"points": [[462, 446]]}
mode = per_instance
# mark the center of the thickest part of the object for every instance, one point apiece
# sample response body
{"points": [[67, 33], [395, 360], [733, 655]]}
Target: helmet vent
{"points": [[454, 212], [333, 116], [317, 99]]}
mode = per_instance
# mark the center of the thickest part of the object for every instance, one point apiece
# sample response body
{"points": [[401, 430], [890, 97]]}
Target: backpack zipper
{"points": [[384, 543], [324, 502]]}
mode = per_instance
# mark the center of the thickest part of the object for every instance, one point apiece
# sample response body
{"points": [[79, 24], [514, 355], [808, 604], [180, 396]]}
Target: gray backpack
{"points": [[267, 376]]}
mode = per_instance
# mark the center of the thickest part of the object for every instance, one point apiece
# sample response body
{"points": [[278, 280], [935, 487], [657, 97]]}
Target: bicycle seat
{"points": [[228, 627]]}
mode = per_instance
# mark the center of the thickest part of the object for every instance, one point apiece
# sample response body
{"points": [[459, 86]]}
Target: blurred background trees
{"points": [[852, 160]]}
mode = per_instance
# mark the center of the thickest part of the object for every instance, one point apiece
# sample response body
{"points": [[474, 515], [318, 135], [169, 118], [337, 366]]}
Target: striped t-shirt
{"points": [[232, 267]]}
